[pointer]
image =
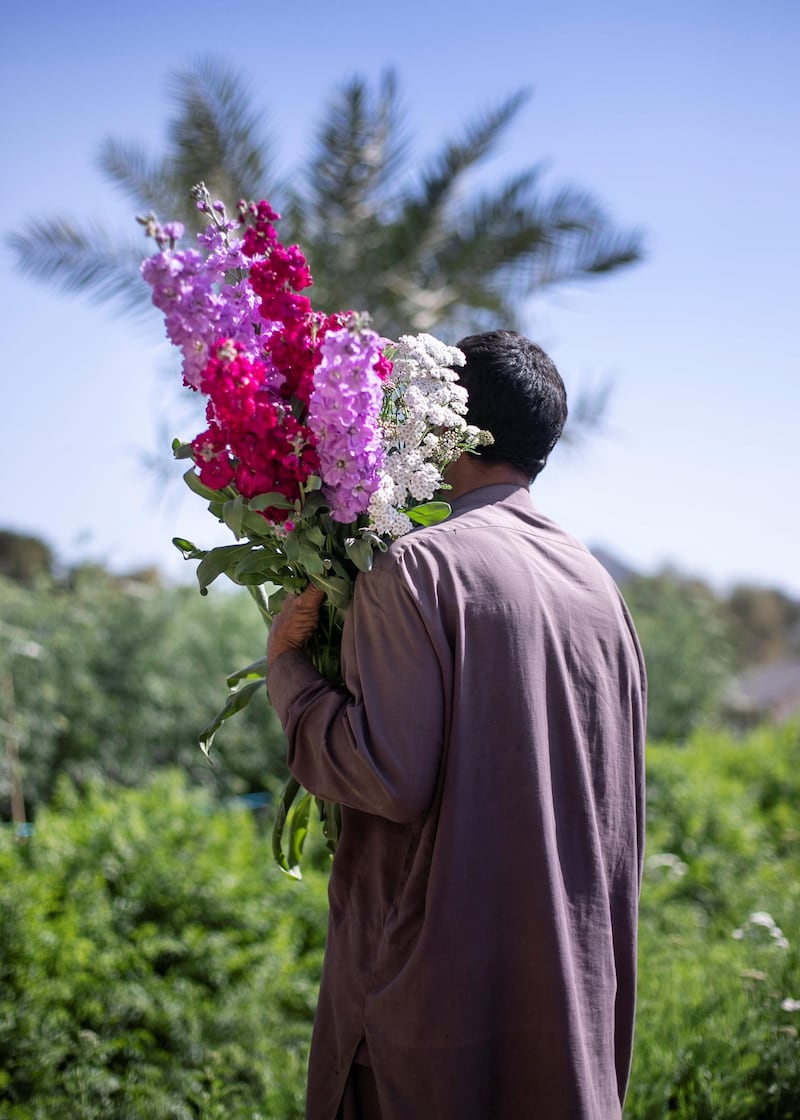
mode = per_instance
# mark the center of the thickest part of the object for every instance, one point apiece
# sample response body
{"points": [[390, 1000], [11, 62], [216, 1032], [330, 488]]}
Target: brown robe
{"points": [[488, 752]]}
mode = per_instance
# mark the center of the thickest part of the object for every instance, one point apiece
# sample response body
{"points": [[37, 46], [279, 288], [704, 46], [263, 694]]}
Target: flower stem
{"points": [[261, 600]]}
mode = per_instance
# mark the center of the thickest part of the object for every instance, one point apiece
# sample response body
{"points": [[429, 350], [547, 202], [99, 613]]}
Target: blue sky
{"points": [[683, 119]]}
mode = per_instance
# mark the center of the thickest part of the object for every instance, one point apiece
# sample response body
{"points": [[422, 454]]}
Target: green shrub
{"points": [[682, 627], [153, 963], [717, 1022], [119, 677]]}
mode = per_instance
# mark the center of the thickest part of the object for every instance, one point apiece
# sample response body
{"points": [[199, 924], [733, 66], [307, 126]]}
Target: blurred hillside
{"points": [[729, 657]]}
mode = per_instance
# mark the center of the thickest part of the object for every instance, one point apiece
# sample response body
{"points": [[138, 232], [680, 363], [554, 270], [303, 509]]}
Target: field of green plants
{"points": [[153, 964], [719, 985]]}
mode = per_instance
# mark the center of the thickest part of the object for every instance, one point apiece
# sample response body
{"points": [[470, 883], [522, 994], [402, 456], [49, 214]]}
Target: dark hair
{"points": [[516, 393]]}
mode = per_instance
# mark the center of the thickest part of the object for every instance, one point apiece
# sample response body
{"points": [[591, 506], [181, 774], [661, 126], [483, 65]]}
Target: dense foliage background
{"points": [[117, 677], [719, 982], [154, 964]]}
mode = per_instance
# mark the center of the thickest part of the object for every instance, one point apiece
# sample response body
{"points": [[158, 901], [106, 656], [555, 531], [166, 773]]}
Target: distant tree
{"points": [[24, 558], [419, 249], [687, 650], [765, 625]]}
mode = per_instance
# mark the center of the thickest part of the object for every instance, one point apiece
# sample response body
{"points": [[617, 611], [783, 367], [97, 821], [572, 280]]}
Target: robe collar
{"points": [[509, 492]]}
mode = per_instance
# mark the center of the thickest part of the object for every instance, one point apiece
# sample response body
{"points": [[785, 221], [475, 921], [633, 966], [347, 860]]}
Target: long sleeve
{"points": [[376, 744]]}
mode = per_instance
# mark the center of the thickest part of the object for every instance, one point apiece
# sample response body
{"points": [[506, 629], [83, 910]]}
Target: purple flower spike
{"points": [[343, 414]]}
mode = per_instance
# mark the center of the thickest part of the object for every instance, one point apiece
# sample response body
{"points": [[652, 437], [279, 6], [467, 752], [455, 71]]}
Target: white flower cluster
{"points": [[423, 429], [668, 862], [761, 920]]}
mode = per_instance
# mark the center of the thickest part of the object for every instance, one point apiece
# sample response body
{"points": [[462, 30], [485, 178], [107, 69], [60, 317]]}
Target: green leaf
{"points": [[259, 566], [257, 560], [313, 504], [192, 480], [255, 526], [270, 501], [233, 514], [290, 792], [429, 513], [276, 600], [374, 539], [190, 551], [314, 535], [330, 814], [254, 669], [298, 831], [341, 568], [219, 560], [181, 450], [311, 560], [360, 552], [291, 547], [313, 482], [252, 579], [338, 589], [235, 702]]}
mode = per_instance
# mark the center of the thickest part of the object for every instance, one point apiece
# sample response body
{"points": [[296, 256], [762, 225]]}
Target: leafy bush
{"points": [[719, 987], [119, 677], [682, 628], [152, 963]]}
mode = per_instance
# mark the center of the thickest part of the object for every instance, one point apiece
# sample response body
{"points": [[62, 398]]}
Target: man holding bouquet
{"points": [[487, 752]]}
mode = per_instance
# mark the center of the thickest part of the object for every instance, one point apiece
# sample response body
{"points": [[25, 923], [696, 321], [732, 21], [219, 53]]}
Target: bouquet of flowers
{"points": [[323, 442]]}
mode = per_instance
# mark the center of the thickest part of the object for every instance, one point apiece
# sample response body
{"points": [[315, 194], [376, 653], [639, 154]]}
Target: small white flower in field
{"points": [[759, 920], [790, 1005], [671, 863]]}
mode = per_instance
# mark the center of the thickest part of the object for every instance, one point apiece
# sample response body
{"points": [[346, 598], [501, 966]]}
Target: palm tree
{"points": [[409, 242]]}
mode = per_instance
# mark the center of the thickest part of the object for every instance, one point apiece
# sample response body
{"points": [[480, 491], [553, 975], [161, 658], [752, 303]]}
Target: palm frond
{"points": [[351, 187], [359, 153], [605, 250], [423, 220], [476, 143], [56, 252], [215, 134], [143, 179], [525, 241], [585, 253], [493, 231], [582, 240]]}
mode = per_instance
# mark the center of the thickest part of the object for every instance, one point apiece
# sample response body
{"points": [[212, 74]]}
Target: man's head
{"points": [[516, 393]]}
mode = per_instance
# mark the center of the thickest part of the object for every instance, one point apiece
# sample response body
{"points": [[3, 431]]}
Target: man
{"points": [[487, 751]]}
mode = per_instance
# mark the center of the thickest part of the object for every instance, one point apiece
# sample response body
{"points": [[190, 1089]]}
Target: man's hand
{"points": [[295, 623]]}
